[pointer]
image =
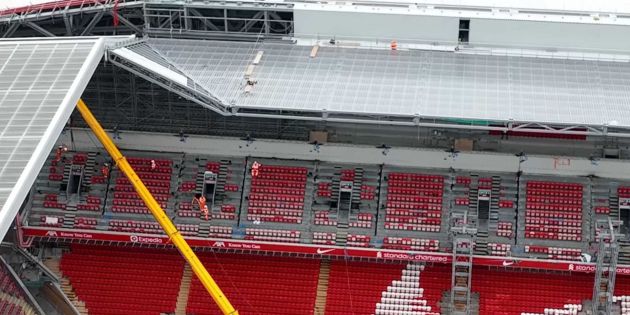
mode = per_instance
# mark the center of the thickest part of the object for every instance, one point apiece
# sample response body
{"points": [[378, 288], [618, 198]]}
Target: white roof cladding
{"points": [[404, 83], [41, 81]]}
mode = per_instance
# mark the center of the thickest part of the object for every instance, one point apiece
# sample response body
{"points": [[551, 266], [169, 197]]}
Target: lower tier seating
{"points": [[114, 281], [258, 285], [369, 288], [516, 292], [355, 288]]}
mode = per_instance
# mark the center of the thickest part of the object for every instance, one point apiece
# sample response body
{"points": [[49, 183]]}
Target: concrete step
{"points": [[184, 291], [322, 287]]}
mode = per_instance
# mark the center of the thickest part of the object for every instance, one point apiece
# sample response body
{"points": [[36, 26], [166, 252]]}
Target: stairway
{"points": [[199, 179], [356, 186], [494, 203], [221, 179], [184, 291], [613, 205], [481, 243], [322, 287], [88, 171], [68, 219], [624, 252], [334, 186], [473, 202], [66, 287], [66, 174], [204, 229], [341, 238]]}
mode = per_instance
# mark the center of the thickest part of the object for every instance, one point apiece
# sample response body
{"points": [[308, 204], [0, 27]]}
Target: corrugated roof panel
{"points": [[431, 84], [40, 83]]}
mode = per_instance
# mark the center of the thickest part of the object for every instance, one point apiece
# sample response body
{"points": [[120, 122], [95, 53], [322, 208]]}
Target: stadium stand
{"points": [[554, 210], [534, 293], [114, 280], [386, 289], [222, 191], [415, 208], [301, 202], [490, 199], [345, 203], [275, 200], [13, 299], [70, 192], [258, 284], [157, 174], [356, 287]]}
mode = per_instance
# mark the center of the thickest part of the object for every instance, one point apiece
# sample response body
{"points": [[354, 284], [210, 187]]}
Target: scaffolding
{"points": [[606, 269], [463, 231]]}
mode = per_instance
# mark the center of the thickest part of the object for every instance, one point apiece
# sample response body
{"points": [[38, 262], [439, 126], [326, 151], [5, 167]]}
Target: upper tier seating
{"points": [[277, 194], [414, 202], [554, 210], [113, 281], [227, 194], [157, 180], [407, 243], [361, 205], [272, 235], [514, 292], [258, 285]]}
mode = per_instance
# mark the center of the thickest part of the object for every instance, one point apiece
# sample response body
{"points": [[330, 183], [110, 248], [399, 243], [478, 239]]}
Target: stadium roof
{"points": [[41, 81], [420, 84]]}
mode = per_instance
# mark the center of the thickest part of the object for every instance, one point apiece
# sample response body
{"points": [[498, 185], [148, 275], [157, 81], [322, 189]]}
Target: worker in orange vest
{"points": [[255, 167], [201, 201], [60, 150], [105, 170], [153, 165]]}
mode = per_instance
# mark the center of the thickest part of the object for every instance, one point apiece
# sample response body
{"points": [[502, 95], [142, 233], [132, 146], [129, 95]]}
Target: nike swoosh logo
{"points": [[324, 251], [508, 263]]}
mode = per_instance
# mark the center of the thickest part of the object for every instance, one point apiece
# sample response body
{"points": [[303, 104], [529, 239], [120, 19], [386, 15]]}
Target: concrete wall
{"points": [[567, 36], [368, 26], [408, 157]]}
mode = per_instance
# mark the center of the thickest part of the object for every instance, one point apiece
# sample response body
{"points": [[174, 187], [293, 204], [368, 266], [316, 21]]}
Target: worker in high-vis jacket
{"points": [[203, 206]]}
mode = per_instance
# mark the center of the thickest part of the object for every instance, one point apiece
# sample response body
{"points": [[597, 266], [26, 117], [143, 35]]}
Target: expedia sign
{"points": [[145, 240]]}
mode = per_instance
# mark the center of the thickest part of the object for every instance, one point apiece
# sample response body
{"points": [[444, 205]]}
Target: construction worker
{"points": [[105, 170], [201, 201], [153, 165], [255, 168], [59, 153]]}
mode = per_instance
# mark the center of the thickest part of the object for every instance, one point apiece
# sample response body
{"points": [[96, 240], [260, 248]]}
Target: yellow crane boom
{"points": [[159, 214]]}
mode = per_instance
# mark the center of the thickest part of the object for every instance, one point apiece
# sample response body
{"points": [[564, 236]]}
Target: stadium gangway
{"points": [[157, 212]]}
